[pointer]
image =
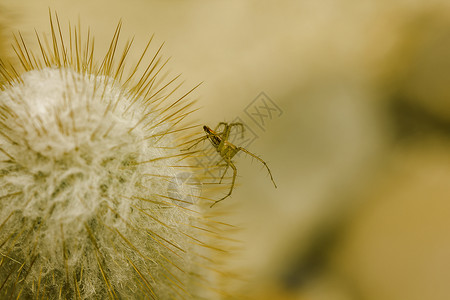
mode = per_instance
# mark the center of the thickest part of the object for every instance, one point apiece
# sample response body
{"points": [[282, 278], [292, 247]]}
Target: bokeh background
{"points": [[359, 147]]}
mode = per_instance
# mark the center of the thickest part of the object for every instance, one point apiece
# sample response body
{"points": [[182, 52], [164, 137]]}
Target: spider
{"points": [[226, 150]]}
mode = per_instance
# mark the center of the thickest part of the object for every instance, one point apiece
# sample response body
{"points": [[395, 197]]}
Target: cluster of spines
{"points": [[147, 88]]}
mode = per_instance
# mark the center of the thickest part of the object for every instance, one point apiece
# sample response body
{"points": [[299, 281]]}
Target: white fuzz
{"points": [[73, 146], [89, 208], [76, 173]]}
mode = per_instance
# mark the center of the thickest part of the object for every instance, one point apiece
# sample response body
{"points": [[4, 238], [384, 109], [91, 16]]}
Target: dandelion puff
{"points": [[88, 152]]}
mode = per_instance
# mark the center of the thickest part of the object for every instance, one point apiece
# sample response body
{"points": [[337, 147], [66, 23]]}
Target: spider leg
{"points": [[217, 129], [218, 164], [224, 136], [226, 132], [263, 162], [232, 182], [220, 124], [238, 125], [224, 172]]}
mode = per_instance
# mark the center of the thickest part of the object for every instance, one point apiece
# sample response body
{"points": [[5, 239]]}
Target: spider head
{"points": [[213, 137], [207, 129]]}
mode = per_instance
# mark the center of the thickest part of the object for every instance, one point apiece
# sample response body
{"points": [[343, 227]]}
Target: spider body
{"points": [[227, 150], [223, 147]]}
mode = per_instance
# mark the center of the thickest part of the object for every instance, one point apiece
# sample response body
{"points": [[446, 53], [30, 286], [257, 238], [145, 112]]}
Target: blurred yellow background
{"points": [[359, 150]]}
